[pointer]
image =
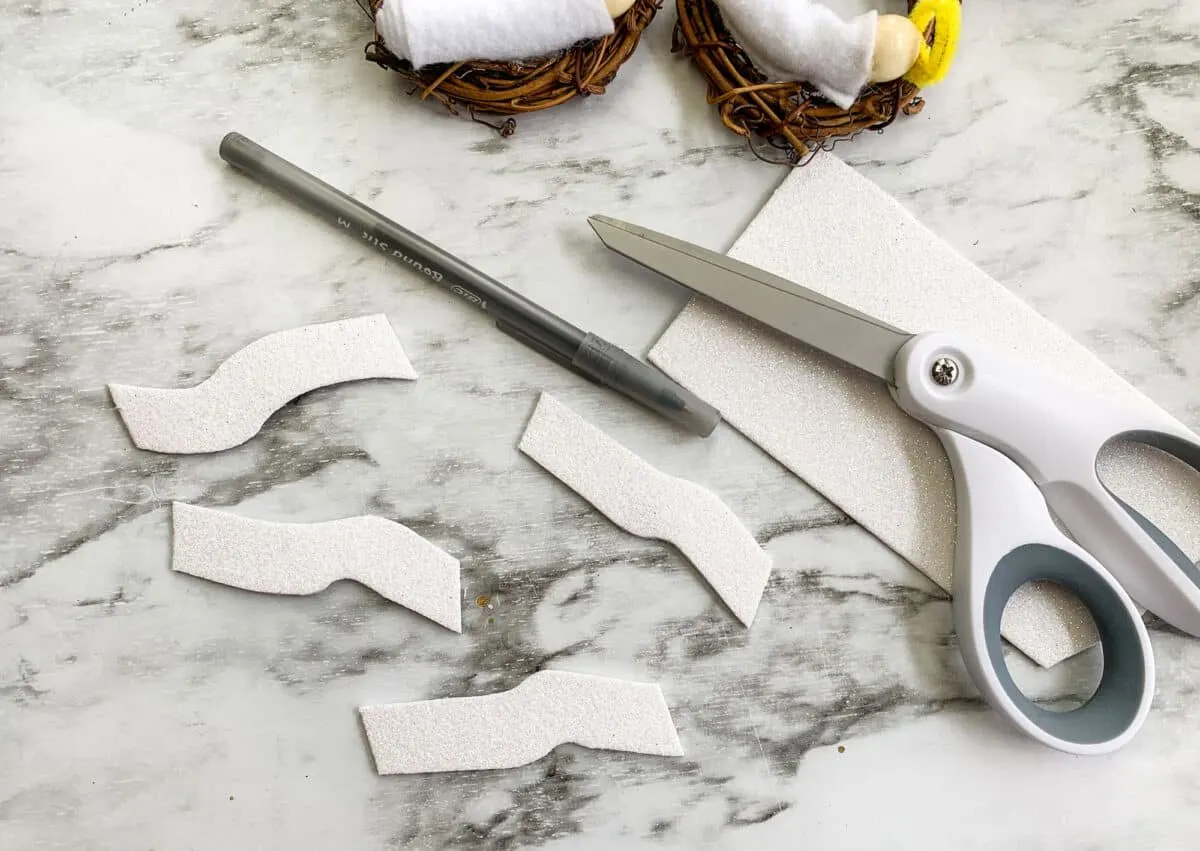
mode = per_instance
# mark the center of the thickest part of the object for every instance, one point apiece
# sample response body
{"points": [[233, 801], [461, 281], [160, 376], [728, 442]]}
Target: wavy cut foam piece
{"points": [[230, 407], [520, 726], [305, 558], [651, 504]]}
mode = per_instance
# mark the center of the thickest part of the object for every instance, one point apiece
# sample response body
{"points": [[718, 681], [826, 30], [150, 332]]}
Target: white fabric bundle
{"points": [[802, 40], [427, 32]]}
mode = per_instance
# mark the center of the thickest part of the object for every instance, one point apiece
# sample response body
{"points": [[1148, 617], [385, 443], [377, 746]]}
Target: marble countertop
{"points": [[145, 709]]}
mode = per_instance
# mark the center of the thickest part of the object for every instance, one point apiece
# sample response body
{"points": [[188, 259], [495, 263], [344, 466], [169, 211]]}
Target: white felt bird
{"points": [[428, 32], [803, 40]]}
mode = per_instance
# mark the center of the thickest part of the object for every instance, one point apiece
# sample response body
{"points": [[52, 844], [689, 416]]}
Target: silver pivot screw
{"points": [[945, 371]]}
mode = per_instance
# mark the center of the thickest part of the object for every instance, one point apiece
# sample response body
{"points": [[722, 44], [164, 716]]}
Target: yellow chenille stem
{"points": [[934, 60]]}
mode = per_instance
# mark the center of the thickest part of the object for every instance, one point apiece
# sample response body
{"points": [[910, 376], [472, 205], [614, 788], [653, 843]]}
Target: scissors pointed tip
{"points": [[618, 236], [801, 313], [604, 225]]}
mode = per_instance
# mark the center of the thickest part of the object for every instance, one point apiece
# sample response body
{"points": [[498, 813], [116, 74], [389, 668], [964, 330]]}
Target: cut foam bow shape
{"points": [[519, 726], [230, 407], [305, 558], [651, 504]]}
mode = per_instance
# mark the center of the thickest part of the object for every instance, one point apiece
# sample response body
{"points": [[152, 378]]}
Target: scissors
{"points": [[1023, 448]]}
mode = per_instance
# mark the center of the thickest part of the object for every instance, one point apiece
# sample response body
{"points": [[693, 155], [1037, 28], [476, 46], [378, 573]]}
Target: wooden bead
{"points": [[897, 45], [616, 8]]}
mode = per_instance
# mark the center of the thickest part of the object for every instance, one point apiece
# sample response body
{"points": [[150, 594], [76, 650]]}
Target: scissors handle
{"points": [[1055, 434], [1007, 538]]}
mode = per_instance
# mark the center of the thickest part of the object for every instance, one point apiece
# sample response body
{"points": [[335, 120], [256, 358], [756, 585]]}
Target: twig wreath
{"points": [[586, 49], [795, 78]]}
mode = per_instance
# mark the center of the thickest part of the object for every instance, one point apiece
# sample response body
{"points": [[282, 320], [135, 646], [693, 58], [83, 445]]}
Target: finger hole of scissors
{"points": [[1060, 619], [1159, 478], [1121, 698]]}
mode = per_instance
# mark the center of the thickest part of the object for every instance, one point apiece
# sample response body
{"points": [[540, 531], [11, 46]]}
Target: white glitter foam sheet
{"points": [[840, 430]]}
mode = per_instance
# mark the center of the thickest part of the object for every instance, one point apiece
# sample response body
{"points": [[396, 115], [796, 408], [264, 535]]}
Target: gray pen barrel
{"points": [[397, 242], [516, 315]]}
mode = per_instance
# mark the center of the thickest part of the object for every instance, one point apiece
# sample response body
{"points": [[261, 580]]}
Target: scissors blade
{"points": [[802, 314]]}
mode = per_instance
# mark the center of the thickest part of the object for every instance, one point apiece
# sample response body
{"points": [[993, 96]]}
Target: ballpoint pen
{"points": [[585, 353]]}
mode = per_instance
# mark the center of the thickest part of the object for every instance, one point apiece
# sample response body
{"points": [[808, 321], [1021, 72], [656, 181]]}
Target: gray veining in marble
{"points": [[145, 709]]}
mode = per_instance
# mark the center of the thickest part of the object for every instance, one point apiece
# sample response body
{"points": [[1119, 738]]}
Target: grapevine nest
{"points": [[511, 88], [784, 122]]}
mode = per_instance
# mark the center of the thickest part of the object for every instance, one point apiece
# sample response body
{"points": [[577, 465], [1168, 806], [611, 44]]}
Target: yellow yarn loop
{"points": [[935, 59]]}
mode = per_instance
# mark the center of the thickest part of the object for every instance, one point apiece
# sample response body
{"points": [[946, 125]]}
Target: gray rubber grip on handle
{"points": [[1115, 705]]}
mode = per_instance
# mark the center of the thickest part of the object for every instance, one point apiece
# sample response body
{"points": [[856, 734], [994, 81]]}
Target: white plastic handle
{"points": [[1055, 434], [1007, 538]]}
